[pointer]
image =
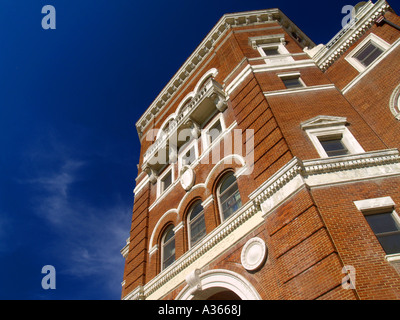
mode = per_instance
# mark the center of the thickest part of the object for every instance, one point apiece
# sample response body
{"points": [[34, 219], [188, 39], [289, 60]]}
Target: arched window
{"points": [[196, 223], [168, 248], [228, 196]]}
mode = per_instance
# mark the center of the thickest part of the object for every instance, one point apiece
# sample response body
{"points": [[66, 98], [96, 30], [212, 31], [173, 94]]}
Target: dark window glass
{"points": [[215, 131], [197, 223], [387, 230], [271, 51], [292, 83], [229, 196], [168, 248], [368, 54], [334, 147], [166, 180]]}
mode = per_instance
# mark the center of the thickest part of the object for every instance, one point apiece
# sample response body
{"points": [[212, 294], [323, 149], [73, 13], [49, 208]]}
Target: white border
{"points": [[348, 139], [378, 42]]}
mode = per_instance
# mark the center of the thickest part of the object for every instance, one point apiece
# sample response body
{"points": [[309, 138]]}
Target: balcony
{"points": [[208, 100]]}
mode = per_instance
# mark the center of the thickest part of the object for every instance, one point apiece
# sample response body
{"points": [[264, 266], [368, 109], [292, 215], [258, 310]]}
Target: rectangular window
{"points": [[386, 229], [166, 181], [189, 157], [292, 82], [214, 131], [271, 51], [368, 54], [333, 146]]}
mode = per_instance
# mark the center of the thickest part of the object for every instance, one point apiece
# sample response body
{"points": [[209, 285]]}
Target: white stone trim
{"points": [[353, 82], [170, 168], [254, 253], [141, 184], [157, 225], [249, 69], [394, 102], [227, 22], [378, 42], [299, 89], [393, 257], [216, 279], [346, 37], [371, 204], [324, 126], [294, 176]]}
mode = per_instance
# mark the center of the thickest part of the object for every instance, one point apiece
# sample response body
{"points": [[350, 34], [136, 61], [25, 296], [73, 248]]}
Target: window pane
{"points": [[271, 51], [387, 230], [197, 223], [167, 180], [372, 57], [334, 147], [390, 243], [232, 204], [229, 196], [382, 222], [168, 248], [292, 83], [215, 131], [368, 54], [189, 156], [197, 229], [227, 182]]}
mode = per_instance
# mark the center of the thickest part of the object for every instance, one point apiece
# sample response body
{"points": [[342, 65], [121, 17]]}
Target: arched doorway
{"points": [[218, 284]]}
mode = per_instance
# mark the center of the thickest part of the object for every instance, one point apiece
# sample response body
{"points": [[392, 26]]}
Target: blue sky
{"points": [[69, 101]]}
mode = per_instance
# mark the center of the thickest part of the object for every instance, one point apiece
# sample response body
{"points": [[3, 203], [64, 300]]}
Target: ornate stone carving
{"points": [[194, 282], [187, 178], [254, 254]]}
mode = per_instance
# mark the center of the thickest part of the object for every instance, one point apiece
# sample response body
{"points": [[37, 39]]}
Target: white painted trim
{"points": [[347, 36], [208, 201], [170, 168], [239, 79], [353, 82], [266, 68], [205, 137], [193, 144], [283, 58], [299, 90], [394, 102], [348, 139], [378, 42], [224, 25], [141, 184], [295, 64], [393, 257], [151, 249], [370, 204], [293, 176], [217, 279]]}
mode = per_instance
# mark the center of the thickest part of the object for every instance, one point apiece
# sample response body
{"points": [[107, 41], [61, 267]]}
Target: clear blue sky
{"points": [[69, 101]]}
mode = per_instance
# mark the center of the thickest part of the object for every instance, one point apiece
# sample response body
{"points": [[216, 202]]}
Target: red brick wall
{"points": [[315, 233]]}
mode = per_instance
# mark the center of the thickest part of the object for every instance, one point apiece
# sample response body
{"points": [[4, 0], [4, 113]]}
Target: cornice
{"points": [[347, 36], [226, 23]]}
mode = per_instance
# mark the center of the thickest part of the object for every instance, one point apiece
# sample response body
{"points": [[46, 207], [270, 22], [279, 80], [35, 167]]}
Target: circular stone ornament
{"points": [[254, 254], [187, 178]]}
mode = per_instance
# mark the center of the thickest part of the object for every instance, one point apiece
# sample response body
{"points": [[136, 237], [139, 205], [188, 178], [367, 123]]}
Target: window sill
{"points": [[395, 257]]}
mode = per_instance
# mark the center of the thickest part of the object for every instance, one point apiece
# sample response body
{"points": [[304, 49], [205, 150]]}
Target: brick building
{"points": [[269, 166]]}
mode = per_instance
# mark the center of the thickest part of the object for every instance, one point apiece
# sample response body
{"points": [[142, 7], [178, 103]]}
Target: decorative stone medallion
{"points": [[254, 254], [187, 178]]}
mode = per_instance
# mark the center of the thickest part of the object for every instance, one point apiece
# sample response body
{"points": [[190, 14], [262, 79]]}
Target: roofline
{"points": [[226, 22]]}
